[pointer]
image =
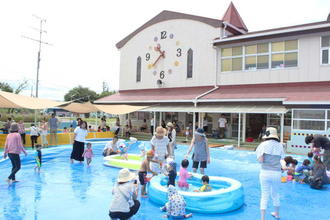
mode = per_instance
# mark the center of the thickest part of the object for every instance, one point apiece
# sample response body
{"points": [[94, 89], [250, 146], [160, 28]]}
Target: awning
{"points": [[11, 100], [119, 109], [257, 109], [80, 108]]}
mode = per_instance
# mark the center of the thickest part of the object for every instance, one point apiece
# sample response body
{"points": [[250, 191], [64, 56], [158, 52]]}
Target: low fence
{"points": [[62, 138]]}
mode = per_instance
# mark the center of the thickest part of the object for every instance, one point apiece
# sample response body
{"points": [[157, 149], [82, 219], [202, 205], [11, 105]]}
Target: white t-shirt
{"points": [[204, 123], [152, 122], [222, 122], [122, 199], [80, 134], [34, 131], [160, 146], [110, 145]]}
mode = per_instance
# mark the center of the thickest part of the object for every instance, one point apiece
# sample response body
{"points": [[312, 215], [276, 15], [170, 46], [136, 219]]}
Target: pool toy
{"points": [[133, 163], [283, 179], [289, 178], [229, 147], [227, 194]]}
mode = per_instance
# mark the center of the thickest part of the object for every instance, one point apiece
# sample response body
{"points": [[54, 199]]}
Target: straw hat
{"points": [[125, 175], [270, 133], [160, 131], [200, 132], [170, 125], [14, 127]]}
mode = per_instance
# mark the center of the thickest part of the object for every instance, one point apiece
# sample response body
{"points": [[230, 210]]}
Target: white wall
{"points": [[309, 68], [190, 34]]}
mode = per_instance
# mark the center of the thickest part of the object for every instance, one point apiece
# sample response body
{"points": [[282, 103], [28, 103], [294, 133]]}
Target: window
{"points": [[256, 57], [308, 119], [231, 59], [190, 63], [284, 54], [325, 48], [262, 56], [138, 69]]}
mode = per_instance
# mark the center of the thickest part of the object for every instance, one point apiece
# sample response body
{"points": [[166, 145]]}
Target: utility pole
{"points": [[40, 42]]}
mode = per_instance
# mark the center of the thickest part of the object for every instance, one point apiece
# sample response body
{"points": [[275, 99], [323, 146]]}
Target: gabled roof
{"points": [[232, 17], [169, 15]]}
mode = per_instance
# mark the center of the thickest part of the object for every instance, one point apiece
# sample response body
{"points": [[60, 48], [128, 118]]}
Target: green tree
{"points": [[80, 94], [105, 93], [6, 87]]}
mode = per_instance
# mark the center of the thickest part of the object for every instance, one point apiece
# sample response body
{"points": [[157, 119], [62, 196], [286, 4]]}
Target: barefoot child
{"points": [[184, 175], [145, 168], [176, 205], [171, 169], [123, 151], [38, 157], [88, 153]]}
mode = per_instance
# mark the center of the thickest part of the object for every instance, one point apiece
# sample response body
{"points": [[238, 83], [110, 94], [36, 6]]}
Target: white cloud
{"points": [[84, 34]]}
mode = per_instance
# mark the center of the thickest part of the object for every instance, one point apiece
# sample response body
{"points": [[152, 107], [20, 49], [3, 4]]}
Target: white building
{"points": [[180, 64]]}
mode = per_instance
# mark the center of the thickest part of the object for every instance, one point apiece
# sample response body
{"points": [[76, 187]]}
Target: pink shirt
{"points": [[21, 128], [184, 175], [14, 144], [88, 153]]}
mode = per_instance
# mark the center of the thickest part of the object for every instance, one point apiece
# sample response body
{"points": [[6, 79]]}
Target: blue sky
{"points": [[84, 34]]}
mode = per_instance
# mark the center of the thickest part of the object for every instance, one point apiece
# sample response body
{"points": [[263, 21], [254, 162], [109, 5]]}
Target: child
{"points": [[171, 169], [123, 151], [310, 157], [176, 205], [303, 171], [34, 134], [38, 157], [145, 168], [127, 131], [184, 175], [88, 153], [206, 186], [65, 130], [292, 167]]}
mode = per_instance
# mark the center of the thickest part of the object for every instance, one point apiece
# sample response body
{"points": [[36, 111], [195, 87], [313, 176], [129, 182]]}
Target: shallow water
{"points": [[74, 191]]}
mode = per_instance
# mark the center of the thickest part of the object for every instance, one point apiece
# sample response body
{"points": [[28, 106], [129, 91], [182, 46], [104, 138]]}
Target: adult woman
{"points": [[269, 154], [44, 129], [80, 134], [201, 150], [13, 148], [171, 134], [124, 200], [111, 147], [21, 130]]}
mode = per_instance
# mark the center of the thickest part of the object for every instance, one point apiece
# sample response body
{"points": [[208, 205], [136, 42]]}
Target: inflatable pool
{"points": [[226, 195], [133, 163]]}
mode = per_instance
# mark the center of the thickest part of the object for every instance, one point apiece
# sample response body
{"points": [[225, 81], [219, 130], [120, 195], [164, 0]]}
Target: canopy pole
{"points": [[239, 130], [194, 122], [154, 123], [160, 118], [243, 127], [282, 127], [96, 127]]}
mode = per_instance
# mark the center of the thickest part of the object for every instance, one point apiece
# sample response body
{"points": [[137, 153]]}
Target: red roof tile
{"points": [[293, 92], [156, 95]]}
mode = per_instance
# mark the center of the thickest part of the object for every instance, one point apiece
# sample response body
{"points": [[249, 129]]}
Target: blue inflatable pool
{"points": [[227, 194]]}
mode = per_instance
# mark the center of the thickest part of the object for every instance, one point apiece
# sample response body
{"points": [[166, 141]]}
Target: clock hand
{"points": [[160, 56]]}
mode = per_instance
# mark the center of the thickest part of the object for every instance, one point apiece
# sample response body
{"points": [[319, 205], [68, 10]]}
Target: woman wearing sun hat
{"points": [[124, 196], [269, 154], [13, 148], [160, 145], [201, 150]]}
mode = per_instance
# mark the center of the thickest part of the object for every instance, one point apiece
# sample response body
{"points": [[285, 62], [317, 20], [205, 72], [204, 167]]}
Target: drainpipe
{"points": [[203, 94]]}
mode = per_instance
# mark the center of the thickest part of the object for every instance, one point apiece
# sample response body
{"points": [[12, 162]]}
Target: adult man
{"points": [[53, 125], [222, 125], [152, 125], [6, 126], [320, 141]]}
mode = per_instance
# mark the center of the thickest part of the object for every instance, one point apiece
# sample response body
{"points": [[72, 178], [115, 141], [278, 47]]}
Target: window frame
{"points": [[325, 120], [269, 54], [321, 50], [138, 69], [190, 65]]}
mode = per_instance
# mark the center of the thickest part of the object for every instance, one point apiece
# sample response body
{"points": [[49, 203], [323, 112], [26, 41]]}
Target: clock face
{"points": [[163, 55]]}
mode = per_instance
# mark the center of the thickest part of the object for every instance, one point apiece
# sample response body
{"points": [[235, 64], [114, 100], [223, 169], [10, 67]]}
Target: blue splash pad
{"points": [[65, 191]]}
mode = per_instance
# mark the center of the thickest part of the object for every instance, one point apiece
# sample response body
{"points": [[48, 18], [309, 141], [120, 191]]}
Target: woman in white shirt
{"points": [[124, 196], [269, 154], [80, 134], [171, 134]]}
